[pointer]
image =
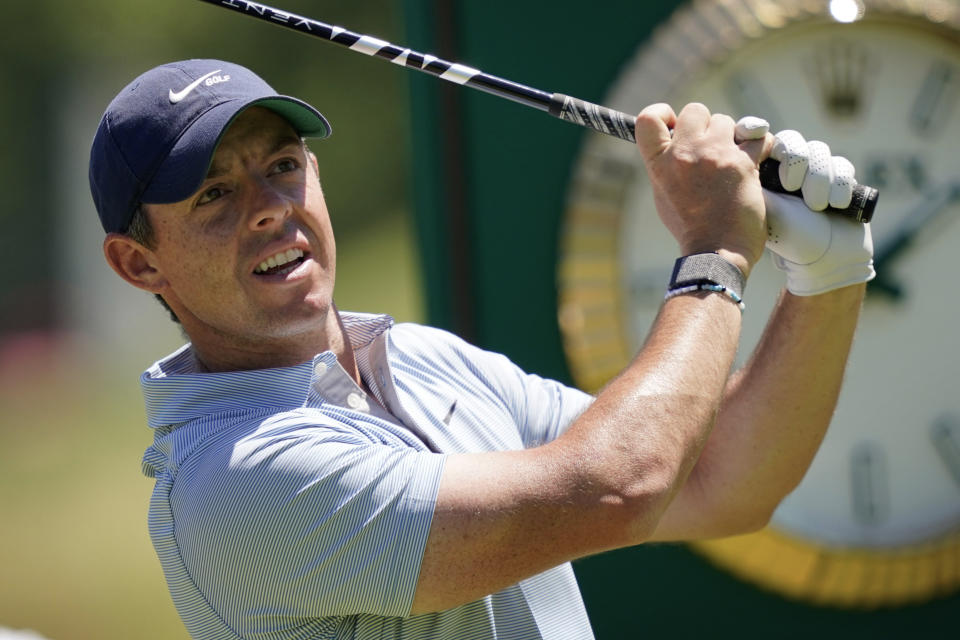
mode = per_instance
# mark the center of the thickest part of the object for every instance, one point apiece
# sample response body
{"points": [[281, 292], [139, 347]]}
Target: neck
{"points": [[218, 352]]}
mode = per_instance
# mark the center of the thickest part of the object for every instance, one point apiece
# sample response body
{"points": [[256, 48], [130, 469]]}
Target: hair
{"points": [[141, 231]]}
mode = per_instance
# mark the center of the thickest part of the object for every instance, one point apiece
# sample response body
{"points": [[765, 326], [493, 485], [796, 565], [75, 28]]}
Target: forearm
{"points": [[774, 413], [648, 427]]}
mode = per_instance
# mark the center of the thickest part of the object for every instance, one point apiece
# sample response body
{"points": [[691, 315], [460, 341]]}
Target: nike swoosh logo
{"points": [[183, 93], [453, 407]]}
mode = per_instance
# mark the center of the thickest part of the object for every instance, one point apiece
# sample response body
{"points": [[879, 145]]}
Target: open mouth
{"points": [[281, 263]]}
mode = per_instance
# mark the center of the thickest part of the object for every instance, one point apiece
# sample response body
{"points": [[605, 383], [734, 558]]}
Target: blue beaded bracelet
{"points": [[716, 288]]}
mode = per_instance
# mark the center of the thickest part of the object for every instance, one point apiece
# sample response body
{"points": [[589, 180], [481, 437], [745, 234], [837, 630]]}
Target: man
{"points": [[321, 474]]}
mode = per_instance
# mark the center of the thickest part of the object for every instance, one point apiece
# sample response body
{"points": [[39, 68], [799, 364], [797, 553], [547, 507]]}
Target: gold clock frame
{"points": [[590, 304]]}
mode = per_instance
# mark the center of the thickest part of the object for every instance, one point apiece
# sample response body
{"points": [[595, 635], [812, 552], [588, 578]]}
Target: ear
{"points": [[133, 262]]}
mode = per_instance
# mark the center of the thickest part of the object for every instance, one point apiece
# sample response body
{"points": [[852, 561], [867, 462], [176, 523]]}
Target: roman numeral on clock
{"points": [[945, 435], [868, 478], [936, 97]]}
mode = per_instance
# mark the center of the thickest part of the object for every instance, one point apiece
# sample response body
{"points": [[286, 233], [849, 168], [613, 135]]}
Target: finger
{"points": [[693, 120], [751, 135], [841, 190], [759, 149], [816, 186], [790, 149], [722, 127], [653, 129], [750, 128]]}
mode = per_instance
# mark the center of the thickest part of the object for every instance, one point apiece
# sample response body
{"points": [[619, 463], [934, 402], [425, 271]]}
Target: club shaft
{"points": [[402, 56], [580, 112]]}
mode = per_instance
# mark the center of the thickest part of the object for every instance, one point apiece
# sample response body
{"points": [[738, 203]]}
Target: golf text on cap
{"points": [[210, 81]]}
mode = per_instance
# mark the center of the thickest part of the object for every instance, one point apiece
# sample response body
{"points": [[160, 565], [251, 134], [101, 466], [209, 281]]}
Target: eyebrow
{"points": [[217, 170]]}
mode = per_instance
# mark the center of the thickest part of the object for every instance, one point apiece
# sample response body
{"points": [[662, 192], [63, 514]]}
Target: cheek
{"points": [[206, 229], [194, 257], [219, 226], [314, 202]]}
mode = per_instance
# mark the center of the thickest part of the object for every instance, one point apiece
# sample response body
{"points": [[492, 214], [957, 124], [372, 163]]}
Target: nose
{"points": [[269, 207]]}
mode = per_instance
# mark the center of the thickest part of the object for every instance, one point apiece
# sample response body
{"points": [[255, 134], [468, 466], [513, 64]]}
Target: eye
{"points": [[210, 195], [285, 166]]}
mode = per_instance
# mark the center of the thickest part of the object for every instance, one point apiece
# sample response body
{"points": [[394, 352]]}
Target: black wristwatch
{"points": [[706, 269]]}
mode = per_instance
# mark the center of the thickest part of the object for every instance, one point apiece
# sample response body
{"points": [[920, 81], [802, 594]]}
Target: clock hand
{"points": [[934, 204]]}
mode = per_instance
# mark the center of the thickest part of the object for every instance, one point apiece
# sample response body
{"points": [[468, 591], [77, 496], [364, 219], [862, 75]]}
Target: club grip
{"points": [[593, 116], [861, 207], [621, 125]]}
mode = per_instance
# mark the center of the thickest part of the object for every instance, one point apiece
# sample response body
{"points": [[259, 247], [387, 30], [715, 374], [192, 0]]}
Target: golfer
{"points": [[325, 474]]}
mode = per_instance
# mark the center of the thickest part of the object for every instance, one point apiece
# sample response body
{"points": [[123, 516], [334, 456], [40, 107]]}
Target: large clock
{"points": [[876, 521]]}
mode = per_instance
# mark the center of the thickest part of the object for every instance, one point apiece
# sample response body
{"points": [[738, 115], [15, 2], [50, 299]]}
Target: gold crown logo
{"points": [[839, 73]]}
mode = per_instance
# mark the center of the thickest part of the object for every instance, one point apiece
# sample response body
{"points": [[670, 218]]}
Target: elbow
{"points": [[759, 512], [756, 520], [734, 522], [636, 507], [754, 515]]}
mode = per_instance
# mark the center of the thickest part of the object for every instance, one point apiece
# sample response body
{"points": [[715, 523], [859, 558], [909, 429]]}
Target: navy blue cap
{"points": [[156, 139]]}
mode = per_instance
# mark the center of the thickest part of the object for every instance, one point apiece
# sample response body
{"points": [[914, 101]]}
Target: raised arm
{"points": [[776, 410], [504, 516], [773, 417]]}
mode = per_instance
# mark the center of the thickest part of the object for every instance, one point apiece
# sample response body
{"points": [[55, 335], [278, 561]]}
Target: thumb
{"points": [[794, 232], [752, 135], [653, 129]]}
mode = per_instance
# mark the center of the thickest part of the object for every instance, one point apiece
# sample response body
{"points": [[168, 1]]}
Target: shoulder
{"points": [[426, 337], [415, 340]]}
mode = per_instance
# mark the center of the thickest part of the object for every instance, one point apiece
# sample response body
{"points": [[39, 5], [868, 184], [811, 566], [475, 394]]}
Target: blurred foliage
{"points": [[48, 48]]}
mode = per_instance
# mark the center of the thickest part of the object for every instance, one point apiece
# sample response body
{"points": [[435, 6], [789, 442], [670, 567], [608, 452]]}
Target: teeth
{"points": [[279, 259]]}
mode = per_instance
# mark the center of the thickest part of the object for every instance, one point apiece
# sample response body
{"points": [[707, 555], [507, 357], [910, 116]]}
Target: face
{"points": [[249, 259]]}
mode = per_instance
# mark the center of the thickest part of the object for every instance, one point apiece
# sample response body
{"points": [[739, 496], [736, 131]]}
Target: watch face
{"points": [[884, 91]]}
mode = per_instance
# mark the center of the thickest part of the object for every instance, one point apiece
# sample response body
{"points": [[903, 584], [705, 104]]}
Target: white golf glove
{"points": [[819, 252], [824, 180]]}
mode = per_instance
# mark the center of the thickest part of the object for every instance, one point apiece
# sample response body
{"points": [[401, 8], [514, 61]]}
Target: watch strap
{"points": [[706, 269]]}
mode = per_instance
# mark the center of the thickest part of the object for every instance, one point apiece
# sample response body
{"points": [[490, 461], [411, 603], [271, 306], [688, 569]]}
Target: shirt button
{"points": [[320, 368], [356, 401]]}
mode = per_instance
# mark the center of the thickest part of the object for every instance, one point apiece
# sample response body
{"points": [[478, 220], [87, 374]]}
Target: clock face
{"points": [[883, 91]]}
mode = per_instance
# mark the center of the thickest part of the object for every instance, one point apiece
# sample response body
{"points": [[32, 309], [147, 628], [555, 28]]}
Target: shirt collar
{"points": [[175, 391]]}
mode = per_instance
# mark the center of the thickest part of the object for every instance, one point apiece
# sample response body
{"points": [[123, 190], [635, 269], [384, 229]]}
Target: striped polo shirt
{"points": [[290, 505]]}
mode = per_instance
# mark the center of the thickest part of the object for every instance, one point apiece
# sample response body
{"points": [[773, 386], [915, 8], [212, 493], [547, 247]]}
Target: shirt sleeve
{"points": [[298, 521], [549, 408], [541, 408]]}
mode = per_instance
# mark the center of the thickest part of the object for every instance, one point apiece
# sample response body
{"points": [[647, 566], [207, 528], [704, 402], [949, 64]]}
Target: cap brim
{"points": [[187, 164]]}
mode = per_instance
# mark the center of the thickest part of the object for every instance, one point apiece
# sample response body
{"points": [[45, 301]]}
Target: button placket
{"points": [[357, 402]]}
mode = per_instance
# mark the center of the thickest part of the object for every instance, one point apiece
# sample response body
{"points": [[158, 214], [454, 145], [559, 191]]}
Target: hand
{"points": [[819, 252], [824, 180], [704, 184]]}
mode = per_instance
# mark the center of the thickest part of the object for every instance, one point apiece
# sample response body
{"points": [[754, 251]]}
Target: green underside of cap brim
{"points": [[307, 121]]}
